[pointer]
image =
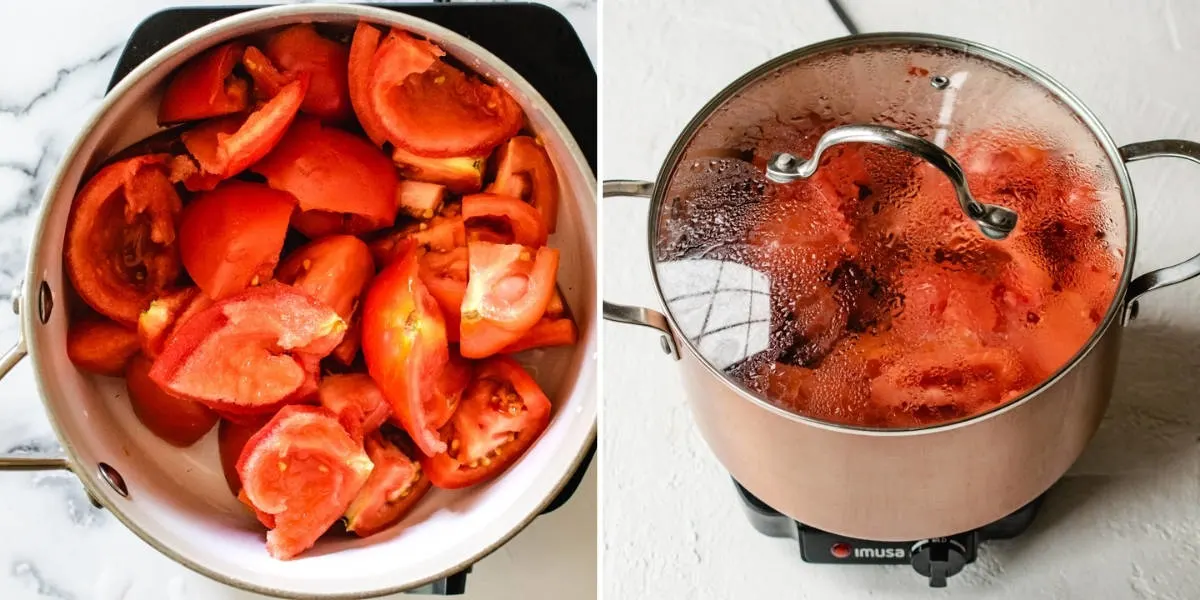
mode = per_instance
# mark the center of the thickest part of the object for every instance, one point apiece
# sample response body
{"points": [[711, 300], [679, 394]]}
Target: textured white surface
{"points": [[1124, 524], [53, 543]]}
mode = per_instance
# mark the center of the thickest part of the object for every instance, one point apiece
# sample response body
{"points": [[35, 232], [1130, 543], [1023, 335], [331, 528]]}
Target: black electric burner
{"points": [[934, 558], [534, 39]]}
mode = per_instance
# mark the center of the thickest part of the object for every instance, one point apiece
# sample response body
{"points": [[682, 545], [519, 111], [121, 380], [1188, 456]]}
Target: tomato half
{"points": [[501, 414], [268, 81], [205, 86], [231, 237], [303, 470], [362, 55], [523, 220], [101, 346], [445, 274], [508, 289], [177, 421], [524, 170], [420, 199], [394, 487], [120, 248], [330, 170], [333, 270], [300, 49], [544, 333], [460, 174], [156, 322], [356, 400], [404, 343], [251, 353], [231, 440]]}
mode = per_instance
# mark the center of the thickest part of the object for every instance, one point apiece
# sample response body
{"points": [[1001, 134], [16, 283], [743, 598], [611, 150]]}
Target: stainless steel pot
{"points": [[177, 500], [897, 485]]}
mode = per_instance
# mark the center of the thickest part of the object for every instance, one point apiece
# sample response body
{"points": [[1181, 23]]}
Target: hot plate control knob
{"points": [[938, 559]]}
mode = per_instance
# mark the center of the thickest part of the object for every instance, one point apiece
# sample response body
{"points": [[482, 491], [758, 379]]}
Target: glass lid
{"points": [[868, 294]]}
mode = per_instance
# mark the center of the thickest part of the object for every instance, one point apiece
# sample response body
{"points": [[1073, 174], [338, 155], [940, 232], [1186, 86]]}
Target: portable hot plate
{"points": [[934, 558], [534, 39]]}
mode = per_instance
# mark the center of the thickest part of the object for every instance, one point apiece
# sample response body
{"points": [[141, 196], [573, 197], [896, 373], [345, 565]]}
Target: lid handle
{"points": [[995, 221]]}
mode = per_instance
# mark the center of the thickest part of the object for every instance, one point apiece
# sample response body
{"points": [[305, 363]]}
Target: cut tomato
{"points": [[508, 290], [333, 270], [443, 112], [101, 346], [396, 58], [445, 274], [231, 440], [523, 220], [120, 248], [156, 322], [251, 353], [268, 81], [394, 487], [557, 306], [231, 237], [524, 171], [420, 199], [362, 55], [460, 174], [177, 421], [546, 332], [303, 470], [205, 86], [449, 389], [300, 49], [404, 343], [347, 351], [225, 147], [357, 402], [440, 234], [330, 170], [501, 414]]}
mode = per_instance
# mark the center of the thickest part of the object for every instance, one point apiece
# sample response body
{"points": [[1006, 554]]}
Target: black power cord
{"points": [[843, 16]]}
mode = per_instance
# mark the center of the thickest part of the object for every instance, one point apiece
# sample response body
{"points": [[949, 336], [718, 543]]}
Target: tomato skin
{"points": [[362, 54], [460, 174], [490, 431], [177, 421], [300, 49], [448, 390], [347, 351], [155, 323], [524, 170], [206, 87], [232, 235], [404, 343], [127, 209], [508, 290], [101, 346], [267, 79], [546, 332], [398, 56], [358, 403], [231, 440], [396, 475], [445, 274], [333, 270], [524, 220], [330, 170]]}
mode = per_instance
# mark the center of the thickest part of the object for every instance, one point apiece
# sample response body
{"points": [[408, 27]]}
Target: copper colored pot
{"points": [[920, 482]]}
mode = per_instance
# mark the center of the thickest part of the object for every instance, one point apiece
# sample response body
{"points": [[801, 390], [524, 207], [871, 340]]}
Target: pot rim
{"points": [[1048, 83], [212, 33]]}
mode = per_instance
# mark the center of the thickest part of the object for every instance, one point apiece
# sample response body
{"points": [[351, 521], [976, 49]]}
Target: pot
{"points": [[918, 482], [177, 500]]}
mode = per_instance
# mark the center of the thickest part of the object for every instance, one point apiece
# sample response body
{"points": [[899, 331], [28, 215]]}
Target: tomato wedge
{"points": [[524, 170], [120, 248], [231, 237], [394, 487], [442, 112], [501, 414], [268, 81], [177, 421], [544, 333], [101, 346], [300, 49], [440, 234], [205, 86], [362, 54], [154, 325], [396, 57], [420, 199], [231, 440], [357, 402], [333, 270], [251, 353], [404, 343], [303, 470], [347, 351], [330, 170], [508, 289], [523, 220], [224, 147], [445, 274], [460, 174], [447, 393]]}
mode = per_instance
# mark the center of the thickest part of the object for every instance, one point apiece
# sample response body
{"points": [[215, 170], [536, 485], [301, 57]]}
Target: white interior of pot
{"points": [[178, 499]]}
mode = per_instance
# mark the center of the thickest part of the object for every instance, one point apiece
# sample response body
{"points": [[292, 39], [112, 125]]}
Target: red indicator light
{"points": [[840, 550]]}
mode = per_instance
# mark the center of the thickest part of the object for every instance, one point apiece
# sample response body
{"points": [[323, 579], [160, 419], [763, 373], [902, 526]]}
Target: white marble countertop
{"points": [[1125, 524], [57, 59]]}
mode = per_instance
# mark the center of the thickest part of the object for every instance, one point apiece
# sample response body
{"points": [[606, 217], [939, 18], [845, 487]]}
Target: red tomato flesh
{"points": [[101, 346], [508, 289], [523, 220], [177, 421], [231, 439], [205, 86], [333, 270], [154, 325], [445, 274], [268, 81], [357, 402], [300, 49], [394, 487], [362, 55], [546, 332], [524, 170], [460, 174]]}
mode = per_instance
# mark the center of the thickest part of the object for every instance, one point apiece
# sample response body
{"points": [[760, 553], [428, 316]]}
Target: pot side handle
{"points": [[1178, 273], [9, 360], [636, 315]]}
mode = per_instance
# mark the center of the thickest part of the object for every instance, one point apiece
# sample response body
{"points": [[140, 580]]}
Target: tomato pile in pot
{"points": [[330, 258]]}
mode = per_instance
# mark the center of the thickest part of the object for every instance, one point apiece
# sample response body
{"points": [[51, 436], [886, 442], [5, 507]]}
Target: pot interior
{"points": [[178, 499], [864, 296]]}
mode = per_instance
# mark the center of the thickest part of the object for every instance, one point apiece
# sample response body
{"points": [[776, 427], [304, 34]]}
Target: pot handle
{"points": [[637, 315], [1159, 278], [7, 362]]}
